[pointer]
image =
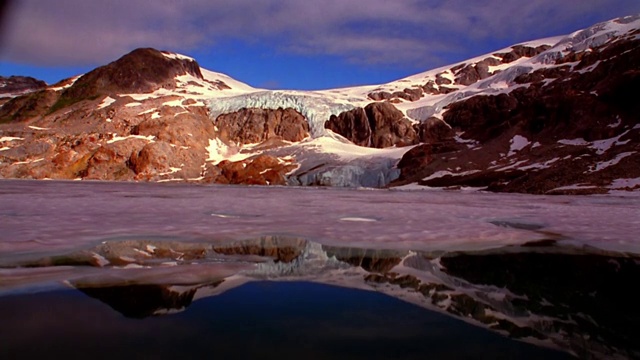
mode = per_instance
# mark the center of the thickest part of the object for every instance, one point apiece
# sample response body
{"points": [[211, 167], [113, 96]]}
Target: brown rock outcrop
{"points": [[378, 125], [519, 51], [250, 126], [259, 170], [110, 162], [433, 130], [470, 74]]}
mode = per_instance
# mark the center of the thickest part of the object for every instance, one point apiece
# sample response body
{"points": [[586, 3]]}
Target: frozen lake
{"points": [[51, 216], [549, 271]]}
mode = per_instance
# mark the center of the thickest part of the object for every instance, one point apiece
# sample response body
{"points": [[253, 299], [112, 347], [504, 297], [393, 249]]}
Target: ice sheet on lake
{"points": [[47, 217]]}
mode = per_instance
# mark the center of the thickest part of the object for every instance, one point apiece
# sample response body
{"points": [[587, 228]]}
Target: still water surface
{"points": [[288, 320]]}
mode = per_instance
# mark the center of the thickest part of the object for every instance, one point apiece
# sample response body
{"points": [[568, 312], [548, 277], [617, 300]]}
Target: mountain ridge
{"points": [[548, 116]]}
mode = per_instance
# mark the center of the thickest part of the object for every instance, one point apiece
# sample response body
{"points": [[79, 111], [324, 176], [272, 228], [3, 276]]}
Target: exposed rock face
{"points": [[19, 84], [567, 127], [471, 73], [250, 126], [434, 130], [259, 170], [353, 125], [378, 125], [28, 106], [519, 51]]}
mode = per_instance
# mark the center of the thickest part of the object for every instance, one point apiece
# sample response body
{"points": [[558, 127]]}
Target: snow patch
{"points": [[106, 102], [601, 146], [518, 143], [173, 103], [515, 165], [37, 128], [10, 138], [605, 164], [219, 151], [28, 161], [443, 173], [625, 183], [175, 56], [357, 219], [469, 142], [116, 138], [544, 165], [574, 142], [574, 187]]}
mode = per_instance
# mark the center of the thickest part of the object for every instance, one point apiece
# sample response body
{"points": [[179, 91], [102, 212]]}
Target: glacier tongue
{"points": [[317, 108], [357, 173]]}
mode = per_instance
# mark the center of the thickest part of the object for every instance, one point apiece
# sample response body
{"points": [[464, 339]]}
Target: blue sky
{"points": [[292, 44]]}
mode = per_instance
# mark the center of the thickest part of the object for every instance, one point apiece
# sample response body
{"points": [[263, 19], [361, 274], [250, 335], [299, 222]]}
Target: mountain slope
{"points": [[549, 116]]}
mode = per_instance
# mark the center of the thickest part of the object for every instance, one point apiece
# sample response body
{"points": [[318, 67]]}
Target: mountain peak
{"points": [[143, 70]]}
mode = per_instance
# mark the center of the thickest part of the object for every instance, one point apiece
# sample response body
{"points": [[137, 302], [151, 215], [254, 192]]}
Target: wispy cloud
{"points": [[79, 32]]}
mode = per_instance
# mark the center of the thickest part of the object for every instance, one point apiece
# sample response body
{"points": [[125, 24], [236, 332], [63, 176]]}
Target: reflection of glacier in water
{"points": [[552, 271], [554, 296]]}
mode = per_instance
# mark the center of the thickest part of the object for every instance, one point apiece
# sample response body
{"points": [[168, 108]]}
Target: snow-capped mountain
{"points": [[549, 116]]}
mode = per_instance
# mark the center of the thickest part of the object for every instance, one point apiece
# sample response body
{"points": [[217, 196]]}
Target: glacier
{"points": [[326, 159], [317, 108]]}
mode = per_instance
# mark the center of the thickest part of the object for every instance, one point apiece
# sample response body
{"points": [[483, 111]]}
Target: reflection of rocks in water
{"points": [[377, 261], [280, 249], [140, 301], [571, 298], [454, 302], [120, 253], [584, 297]]}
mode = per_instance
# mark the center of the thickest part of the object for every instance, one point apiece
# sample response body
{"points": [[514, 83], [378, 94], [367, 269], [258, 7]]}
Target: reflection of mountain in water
{"points": [[574, 299], [140, 301]]}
